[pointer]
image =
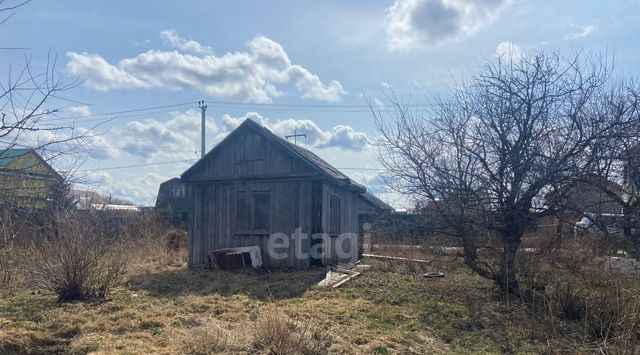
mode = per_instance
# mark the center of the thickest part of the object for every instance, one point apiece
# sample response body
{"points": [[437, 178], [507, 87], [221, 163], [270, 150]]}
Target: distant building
{"points": [[370, 205], [589, 197], [27, 180], [254, 185], [113, 207], [86, 198], [172, 197]]}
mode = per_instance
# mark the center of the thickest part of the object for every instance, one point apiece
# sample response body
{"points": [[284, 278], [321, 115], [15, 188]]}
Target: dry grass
{"points": [[171, 309], [276, 333], [206, 339], [164, 307]]}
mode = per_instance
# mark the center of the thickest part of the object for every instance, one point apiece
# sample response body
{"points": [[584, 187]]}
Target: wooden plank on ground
{"points": [[395, 258], [339, 283]]}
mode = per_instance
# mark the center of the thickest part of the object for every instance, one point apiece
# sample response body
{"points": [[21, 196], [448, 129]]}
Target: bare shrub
{"points": [[75, 259], [153, 239], [275, 333], [9, 230], [473, 304], [6, 262], [595, 309], [206, 340], [7, 270], [176, 240], [613, 314], [568, 301]]}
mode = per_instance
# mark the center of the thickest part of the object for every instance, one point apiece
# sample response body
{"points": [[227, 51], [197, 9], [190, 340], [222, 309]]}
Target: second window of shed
{"points": [[335, 214], [253, 211]]}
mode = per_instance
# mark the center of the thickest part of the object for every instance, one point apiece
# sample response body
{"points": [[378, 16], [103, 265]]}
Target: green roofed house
{"points": [[26, 179]]}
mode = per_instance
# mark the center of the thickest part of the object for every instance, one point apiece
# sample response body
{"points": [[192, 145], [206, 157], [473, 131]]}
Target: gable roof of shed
{"points": [[304, 154]]}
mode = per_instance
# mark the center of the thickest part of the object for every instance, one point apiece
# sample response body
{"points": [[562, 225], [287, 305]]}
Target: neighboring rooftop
{"points": [[7, 156], [375, 201]]}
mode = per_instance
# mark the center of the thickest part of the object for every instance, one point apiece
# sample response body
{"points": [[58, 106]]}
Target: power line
{"points": [[140, 165], [270, 104], [363, 169], [106, 119], [285, 109], [123, 111], [192, 160], [96, 147], [320, 108]]}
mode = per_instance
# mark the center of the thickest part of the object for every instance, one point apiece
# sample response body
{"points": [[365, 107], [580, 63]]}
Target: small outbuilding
{"points": [[257, 189], [172, 198]]}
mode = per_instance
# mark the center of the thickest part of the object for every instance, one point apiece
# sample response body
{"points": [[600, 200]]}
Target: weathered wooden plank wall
{"points": [[348, 221], [214, 222], [249, 162]]}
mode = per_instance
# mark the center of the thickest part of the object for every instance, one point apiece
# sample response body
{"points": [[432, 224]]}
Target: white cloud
{"points": [[509, 52], [345, 137], [257, 75], [67, 143], [97, 146], [176, 138], [78, 110], [418, 23], [140, 189], [175, 40], [95, 179], [141, 44], [97, 73], [580, 32]]}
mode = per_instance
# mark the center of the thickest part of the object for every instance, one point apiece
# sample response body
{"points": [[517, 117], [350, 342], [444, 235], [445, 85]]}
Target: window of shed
{"points": [[253, 212], [178, 191], [261, 211], [243, 212], [252, 148], [335, 214]]}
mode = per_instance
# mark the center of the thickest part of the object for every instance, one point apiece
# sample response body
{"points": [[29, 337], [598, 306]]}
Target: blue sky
{"points": [[322, 56]]}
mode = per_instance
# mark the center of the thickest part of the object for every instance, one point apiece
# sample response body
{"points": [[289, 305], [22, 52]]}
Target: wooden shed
{"points": [[255, 185]]}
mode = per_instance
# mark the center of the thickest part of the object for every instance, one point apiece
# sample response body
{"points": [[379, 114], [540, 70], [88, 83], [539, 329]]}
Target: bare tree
{"points": [[29, 96], [617, 166], [487, 156]]}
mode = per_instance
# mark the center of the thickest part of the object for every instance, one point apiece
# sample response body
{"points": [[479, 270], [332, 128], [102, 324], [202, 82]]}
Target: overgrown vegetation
{"points": [[501, 151], [81, 255], [571, 302], [75, 258]]}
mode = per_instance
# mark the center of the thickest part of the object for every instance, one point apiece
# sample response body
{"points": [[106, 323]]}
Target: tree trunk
{"points": [[631, 237], [506, 278], [471, 256]]}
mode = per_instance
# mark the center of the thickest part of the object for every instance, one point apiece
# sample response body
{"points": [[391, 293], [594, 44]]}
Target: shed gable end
{"points": [[249, 154]]}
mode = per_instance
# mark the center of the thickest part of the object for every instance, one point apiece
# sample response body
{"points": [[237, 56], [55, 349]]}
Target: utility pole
{"points": [[203, 110], [295, 136]]}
